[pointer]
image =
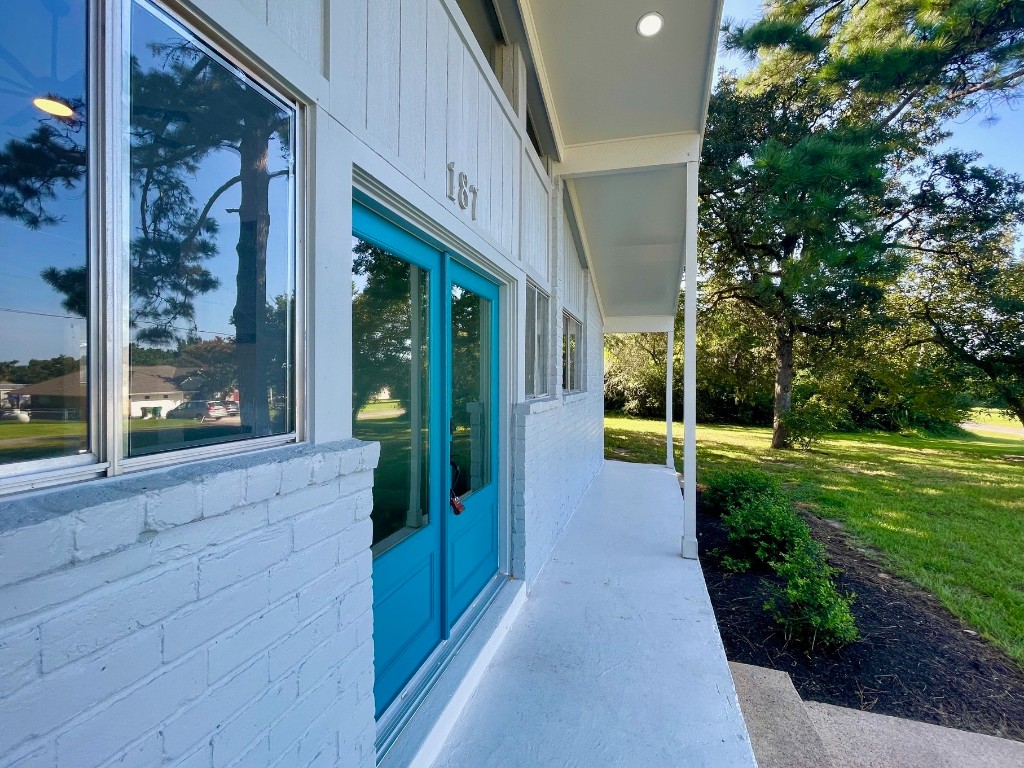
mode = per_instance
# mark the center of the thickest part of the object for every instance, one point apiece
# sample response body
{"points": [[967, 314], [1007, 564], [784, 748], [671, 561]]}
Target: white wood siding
{"points": [[572, 277], [535, 243], [429, 102]]}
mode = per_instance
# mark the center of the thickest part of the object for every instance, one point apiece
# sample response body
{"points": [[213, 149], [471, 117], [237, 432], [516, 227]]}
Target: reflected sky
{"points": [[42, 52]]}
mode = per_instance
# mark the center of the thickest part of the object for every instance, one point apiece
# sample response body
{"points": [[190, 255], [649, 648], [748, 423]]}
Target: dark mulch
{"points": [[914, 660]]}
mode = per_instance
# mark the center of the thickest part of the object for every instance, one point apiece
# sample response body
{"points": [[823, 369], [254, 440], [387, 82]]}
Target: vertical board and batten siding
{"points": [[573, 279], [422, 99], [535, 244]]}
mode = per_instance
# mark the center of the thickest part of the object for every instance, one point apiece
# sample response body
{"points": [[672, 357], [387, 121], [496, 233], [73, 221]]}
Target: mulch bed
{"points": [[914, 660]]}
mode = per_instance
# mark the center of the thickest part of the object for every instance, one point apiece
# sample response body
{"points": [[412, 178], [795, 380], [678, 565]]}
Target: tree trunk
{"points": [[250, 316], [1016, 405], [783, 385]]}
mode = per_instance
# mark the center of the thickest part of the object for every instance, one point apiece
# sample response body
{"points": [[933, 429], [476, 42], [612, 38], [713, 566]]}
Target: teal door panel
{"points": [[471, 537]]}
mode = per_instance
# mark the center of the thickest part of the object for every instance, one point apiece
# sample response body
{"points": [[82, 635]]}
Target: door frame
{"points": [[382, 203]]}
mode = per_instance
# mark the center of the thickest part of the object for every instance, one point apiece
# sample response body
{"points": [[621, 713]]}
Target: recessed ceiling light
{"points": [[650, 24], [53, 107]]}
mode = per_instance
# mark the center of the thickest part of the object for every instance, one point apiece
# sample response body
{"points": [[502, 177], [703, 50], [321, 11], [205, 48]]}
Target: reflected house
{"points": [[6, 388], [394, 233], [154, 390], [62, 398]]}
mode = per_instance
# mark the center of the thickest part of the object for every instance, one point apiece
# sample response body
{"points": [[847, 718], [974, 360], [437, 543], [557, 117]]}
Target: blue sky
{"points": [[998, 135]]}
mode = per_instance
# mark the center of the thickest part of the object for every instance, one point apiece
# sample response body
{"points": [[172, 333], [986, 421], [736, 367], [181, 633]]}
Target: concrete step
{"points": [[856, 739], [781, 732]]}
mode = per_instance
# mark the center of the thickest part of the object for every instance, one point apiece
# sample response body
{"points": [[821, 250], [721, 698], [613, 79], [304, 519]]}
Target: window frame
{"points": [[108, 195], [572, 367], [541, 351]]}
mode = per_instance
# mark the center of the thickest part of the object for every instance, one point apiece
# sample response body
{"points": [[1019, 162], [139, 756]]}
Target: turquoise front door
{"points": [[425, 384]]}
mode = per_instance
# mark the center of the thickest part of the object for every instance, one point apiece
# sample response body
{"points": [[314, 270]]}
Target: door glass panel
{"points": [[390, 386], [471, 391]]}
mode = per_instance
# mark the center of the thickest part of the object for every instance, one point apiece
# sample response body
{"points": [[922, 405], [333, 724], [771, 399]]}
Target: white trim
{"points": [[628, 155], [689, 543], [533, 41], [582, 227], [639, 324]]}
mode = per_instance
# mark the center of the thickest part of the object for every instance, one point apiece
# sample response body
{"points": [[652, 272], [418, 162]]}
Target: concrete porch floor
{"points": [[615, 659]]}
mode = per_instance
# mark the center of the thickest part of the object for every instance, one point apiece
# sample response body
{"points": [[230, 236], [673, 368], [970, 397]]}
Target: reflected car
{"points": [[200, 410], [231, 407]]}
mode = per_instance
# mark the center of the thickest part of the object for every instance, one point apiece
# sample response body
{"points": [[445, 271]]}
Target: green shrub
{"points": [[725, 490], [764, 529], [810, 421], [807, 605]]}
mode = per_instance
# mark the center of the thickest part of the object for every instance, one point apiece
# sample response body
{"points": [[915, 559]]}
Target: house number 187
{"points": [[461, 191]]}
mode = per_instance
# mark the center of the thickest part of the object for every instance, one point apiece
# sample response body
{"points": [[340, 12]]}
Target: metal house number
{"points": [[462, 192]]}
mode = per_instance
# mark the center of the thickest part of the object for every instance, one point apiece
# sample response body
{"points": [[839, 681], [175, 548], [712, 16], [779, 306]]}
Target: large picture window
{"points": [[197, 346], [537, 334]]}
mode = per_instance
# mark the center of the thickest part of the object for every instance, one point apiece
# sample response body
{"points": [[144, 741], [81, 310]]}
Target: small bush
{"points": [[810, 421], [764, 529], [807, 605], [728, 489]]}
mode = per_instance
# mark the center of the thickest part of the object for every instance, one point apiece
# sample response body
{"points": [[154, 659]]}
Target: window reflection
{"points": [[390, 386], [43, 237], [471, 391], [211, 295]]}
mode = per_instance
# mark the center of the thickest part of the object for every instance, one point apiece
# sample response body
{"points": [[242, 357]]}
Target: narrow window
{"points": [[536, 342], [44, 279], [572, 334], [211, 274]]}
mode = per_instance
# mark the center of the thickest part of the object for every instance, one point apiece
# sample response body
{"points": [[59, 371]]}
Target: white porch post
{"points": [[670, 460], [690, 369]]}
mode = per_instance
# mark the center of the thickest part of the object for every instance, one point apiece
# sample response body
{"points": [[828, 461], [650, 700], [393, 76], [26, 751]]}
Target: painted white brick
{"points": [[201, 758], [68, 583], [57, 697], [210, 617], [301, 568], [352, 484], [223, 492], [169, 507], [298, 645], [295, 475], [316, 596], [350, 461], [363, 504], [356, 541], [262, 482], [208, 715], [287, 731], [326, 658], [19, 659], [44, 757], [145, 753], [101, 621], [325, 467], [243, 559], [281, 507], [108, 527], [35, 549], [257, 754], [91, 742], [321, 523], [189, 539], [371, 456], [228, 652], [237, 735]]}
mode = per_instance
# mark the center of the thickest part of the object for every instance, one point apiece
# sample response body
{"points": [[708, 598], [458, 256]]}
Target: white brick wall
{"points": [[558, 442], [215, 614]]}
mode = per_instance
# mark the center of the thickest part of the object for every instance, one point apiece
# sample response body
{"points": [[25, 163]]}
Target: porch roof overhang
{"points": [[627, 115]]}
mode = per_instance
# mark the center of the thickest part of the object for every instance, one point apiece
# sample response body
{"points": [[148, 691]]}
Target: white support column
{"points": [[670, 460], [690, 370]]}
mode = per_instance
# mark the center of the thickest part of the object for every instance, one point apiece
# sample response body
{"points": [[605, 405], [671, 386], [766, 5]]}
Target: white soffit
{"points": [[603, 81], [635, 226]]}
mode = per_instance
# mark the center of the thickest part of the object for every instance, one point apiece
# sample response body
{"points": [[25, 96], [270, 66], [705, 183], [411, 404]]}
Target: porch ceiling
{"points": [[627, 114]]}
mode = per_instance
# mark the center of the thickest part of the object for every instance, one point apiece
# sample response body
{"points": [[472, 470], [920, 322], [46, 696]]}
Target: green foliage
{"points": [[764, 528], [811, 420], [807, 604], [726, 490]]}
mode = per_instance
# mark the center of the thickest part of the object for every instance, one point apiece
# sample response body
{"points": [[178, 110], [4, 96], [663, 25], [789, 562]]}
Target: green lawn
{"points": [[992, 416], [947, 513]]}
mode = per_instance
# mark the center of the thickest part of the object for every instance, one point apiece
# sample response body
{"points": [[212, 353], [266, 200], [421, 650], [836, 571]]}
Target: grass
{"points": [[992, 416], [945, 512]]}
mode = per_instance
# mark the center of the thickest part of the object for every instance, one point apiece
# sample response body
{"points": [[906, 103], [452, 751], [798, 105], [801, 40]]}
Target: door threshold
{"points": [[419, 740]]}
